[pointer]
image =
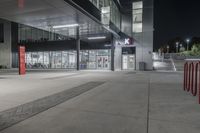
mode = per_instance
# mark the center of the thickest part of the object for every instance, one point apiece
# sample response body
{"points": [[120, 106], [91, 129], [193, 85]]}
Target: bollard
{"points": [[185, 76], [191, 77], [191, 81], [196, 77]]}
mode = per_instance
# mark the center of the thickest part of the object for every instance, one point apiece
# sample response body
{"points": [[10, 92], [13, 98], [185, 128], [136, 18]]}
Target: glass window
{"points": [[28, 60], [72, 59], [137, 27], [105, 15], [40, 59], [56, 59], [1, 33], [137, 17], [46, 60], [101, 4], [34, 56], [84, 58], [34, 34], [65, 59], [46, 36], [92, 59], [137, 5]]}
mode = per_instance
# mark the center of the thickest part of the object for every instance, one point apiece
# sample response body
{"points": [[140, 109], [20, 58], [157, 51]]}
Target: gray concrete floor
{"points": [[128, 102]]}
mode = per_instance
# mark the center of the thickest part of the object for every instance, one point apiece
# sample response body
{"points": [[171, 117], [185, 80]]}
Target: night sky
{"points": [[174, 18]]}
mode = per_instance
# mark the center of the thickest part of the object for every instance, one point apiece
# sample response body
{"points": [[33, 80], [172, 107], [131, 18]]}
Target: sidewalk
{"points": [[126, 102]]}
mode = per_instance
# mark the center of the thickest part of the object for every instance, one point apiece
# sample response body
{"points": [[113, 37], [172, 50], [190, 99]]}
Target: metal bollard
{"points": [[185, 76], [192, 77], [194, 90]]}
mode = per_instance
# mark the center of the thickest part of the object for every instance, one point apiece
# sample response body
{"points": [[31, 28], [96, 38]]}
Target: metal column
{"points": [[78, 48], [112, 53]]}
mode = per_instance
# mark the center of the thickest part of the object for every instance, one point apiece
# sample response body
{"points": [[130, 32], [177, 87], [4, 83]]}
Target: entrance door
{"points": [[128, 62], [102, 62]]}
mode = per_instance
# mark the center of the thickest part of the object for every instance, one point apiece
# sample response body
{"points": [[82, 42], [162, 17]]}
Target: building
{"points": [[74, 34]]}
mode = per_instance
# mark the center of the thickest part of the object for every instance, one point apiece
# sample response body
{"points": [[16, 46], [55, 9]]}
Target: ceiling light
{"points": [[98, 37], [65, 26]]}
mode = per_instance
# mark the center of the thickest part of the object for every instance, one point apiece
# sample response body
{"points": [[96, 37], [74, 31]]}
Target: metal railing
{"points": [[192, 77]]}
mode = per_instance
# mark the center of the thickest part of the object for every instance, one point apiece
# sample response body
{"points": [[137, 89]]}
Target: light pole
{"points": [[177, 43], [180, 49], [167, 48], [187, 40]]}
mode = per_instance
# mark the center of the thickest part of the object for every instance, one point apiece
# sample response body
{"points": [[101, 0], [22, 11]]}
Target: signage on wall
{"points": [[128, 41], [22, 65]]}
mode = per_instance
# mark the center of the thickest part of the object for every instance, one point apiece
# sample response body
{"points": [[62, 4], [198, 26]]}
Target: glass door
{"points": [[128, 62], [102, 62]]}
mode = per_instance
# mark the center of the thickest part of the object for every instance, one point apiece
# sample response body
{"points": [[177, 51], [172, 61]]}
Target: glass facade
{"points": [[95, 59], [28, 34], [1, 33], [137, 17], [51, 60], [89, 59], [109, 12]]}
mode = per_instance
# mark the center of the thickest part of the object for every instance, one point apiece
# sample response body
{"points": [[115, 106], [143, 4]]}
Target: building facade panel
{"points": [[5, 46]]}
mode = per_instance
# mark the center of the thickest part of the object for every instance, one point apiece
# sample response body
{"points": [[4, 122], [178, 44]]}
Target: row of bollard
{"points": [[192, 78]]}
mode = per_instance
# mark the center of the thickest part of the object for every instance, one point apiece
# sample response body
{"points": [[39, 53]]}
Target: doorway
{"points": [[102, 62], [128, 62]]}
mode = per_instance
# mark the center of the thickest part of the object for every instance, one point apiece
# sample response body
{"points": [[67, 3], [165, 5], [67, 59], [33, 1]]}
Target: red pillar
{"points": [[22, 65]]}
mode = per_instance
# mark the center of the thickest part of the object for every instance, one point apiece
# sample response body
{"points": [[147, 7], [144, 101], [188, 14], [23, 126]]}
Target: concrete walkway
{"points": [[124, 102]]}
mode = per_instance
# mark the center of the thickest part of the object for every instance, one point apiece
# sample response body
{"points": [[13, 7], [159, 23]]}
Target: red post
{"points": [[199, 83], [22, 65], [191, 77], [185, 76], [196, 76]]}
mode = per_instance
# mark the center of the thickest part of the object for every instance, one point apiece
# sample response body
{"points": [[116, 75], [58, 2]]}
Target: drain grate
{"points": [[20, 113]]}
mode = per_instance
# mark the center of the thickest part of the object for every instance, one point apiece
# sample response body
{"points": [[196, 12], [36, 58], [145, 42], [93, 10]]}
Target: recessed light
{"points": [[65, 26], [97, 37]]}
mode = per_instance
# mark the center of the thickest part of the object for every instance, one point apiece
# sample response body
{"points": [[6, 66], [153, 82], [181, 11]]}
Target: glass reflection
{"points": [[89, 59]]}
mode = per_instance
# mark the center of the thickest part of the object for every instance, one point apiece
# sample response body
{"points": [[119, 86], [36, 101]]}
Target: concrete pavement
{"points": [[126, 102]]}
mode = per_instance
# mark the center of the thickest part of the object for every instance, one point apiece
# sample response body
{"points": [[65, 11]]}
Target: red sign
{"points": [[22, 65]]}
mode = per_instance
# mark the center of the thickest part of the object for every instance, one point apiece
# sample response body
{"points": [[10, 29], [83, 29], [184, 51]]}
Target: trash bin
{"points": [[142, 66]]}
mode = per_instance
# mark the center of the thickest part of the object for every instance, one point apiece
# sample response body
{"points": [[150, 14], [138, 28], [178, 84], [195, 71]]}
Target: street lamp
{"points": [[177, 43], [187, 40], [180, 49], [167, 48]]}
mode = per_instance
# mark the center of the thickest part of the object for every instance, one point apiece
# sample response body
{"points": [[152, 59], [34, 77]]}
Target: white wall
{"points": [[118, 58], [5, 48], [144, 46]]}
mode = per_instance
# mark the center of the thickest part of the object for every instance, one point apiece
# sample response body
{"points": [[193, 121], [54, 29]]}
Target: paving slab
{"points": [[128, 102]]}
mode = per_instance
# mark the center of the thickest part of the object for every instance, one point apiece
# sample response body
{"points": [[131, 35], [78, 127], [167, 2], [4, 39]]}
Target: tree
{"points": [[195, 51]]}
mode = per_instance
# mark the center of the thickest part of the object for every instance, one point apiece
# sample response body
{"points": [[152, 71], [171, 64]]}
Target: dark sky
{"points": [[174, 18]]}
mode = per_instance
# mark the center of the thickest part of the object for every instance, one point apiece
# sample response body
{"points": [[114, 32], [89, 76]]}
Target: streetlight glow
{"points": [[177, 43], [187, 40]]}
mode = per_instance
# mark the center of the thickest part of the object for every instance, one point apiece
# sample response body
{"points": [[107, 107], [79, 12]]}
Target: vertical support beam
{"points": [[78, 48], [22, 63], [112, 53]]}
